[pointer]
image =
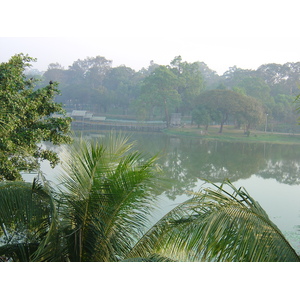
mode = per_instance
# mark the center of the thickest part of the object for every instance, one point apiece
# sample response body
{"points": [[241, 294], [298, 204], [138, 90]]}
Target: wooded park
{"points": [[247, 98]]}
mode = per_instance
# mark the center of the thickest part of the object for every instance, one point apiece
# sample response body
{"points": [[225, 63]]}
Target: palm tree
{"points": [[102, 205], [101, 209], [106, 196]]}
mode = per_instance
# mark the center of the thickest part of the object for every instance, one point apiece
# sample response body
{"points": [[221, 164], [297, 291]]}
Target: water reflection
{"points": [[270, 173], [187, 159]]}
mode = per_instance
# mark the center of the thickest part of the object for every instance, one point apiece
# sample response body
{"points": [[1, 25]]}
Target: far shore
{"points": [[231, 134]]}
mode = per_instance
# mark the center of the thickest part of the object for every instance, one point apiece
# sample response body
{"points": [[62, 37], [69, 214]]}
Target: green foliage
{"points": [[159, 89], [102, 206], [122, 83], [224, 105], [201, 117], [92, 84], [106, 198], [106, 195], [255, 87], [190, 82], [26, 119]]}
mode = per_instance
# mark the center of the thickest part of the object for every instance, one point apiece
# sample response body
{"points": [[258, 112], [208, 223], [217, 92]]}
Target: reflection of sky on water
{"points": [[280, 201]]}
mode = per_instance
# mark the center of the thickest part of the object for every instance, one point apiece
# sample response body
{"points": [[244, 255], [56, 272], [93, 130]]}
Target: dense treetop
{"points": [[27, 120]]}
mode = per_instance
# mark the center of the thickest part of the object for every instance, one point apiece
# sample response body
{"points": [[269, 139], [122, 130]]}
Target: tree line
{"points": [[191, 89]]}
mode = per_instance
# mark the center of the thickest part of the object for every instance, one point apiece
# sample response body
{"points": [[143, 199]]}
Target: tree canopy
{"points": [[159, 90], [225, 104], [27, 119], [93, 84]]}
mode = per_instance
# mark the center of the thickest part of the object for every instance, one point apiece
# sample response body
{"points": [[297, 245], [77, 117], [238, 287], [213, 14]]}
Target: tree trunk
{"points": [[167, 113], [222, 123], [221, 127]]}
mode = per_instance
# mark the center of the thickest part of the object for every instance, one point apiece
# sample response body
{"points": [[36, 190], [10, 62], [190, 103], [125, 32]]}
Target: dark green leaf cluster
{"points": [[26, 119]]}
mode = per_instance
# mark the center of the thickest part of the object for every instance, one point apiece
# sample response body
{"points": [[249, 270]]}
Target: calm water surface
{"points": [[269, 172]]}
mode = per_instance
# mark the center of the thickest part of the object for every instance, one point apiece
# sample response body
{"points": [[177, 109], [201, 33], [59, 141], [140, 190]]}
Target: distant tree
{"points": [[256, 88], [190, 82], [56, 72], [201, 117], [250, 112], [27, 120], [147, 71], [221, 104], [272, 73], [210, 77], [92, 70], [234, 75], [160, 90], [122, 84]]}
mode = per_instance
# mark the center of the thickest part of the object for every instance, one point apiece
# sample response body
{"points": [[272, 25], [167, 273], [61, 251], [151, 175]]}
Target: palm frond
{"points": [[151, 258], [221, 223], [108, 190]]}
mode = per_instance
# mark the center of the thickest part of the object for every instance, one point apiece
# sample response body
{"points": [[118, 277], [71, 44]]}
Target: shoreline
{"points": [[231, 134]]}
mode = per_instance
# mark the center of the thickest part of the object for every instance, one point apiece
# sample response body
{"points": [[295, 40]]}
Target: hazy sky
{"points": [[220, 33]]}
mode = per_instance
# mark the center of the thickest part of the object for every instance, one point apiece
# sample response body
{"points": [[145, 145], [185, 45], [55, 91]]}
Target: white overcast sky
{"points": [[220, 33]]}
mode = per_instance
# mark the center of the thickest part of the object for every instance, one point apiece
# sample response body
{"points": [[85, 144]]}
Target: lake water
{"points": [[269, 172]]}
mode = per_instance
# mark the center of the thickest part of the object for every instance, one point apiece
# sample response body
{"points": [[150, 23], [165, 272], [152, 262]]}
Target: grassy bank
{"points": [[235, 135]]}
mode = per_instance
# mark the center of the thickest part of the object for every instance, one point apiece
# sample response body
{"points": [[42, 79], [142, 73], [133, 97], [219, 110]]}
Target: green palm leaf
{"points": [[217, 225]]}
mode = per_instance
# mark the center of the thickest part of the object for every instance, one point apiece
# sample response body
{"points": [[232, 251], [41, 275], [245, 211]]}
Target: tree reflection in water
{"points": [[186, 159], [270, 173]]}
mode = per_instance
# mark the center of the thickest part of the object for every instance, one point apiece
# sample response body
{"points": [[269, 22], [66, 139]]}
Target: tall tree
{"points": [[190, 82], [255, 87], [211, 78], [92, 70], [221, 104], [56, 72], [27, 120], [121, 83], [250, 112], [159, 90], [201, 117]]}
